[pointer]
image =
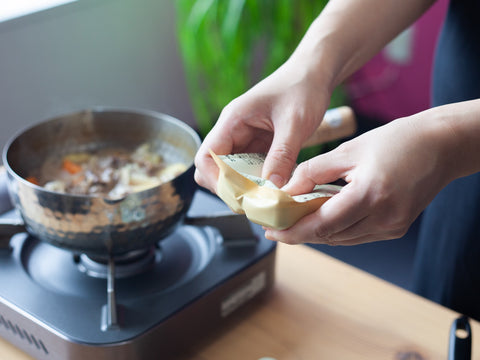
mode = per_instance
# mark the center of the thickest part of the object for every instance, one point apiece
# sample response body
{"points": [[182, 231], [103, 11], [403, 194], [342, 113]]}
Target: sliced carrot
{"points": [[33, 180], [71, 167]]}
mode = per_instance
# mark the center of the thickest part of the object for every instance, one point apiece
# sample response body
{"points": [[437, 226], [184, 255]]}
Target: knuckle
{"points": [[398, 233], [329, 240], [344, 150], [199, 179], [399, 226], [323, 235], [283, 153], [393, 233], [391, 216], [302, 169], [394, 224], [232, 110], [228, 111]]}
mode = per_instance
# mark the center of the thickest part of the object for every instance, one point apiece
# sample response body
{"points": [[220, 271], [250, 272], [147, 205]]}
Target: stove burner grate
{"points": [[130, 264], [179, 258]]}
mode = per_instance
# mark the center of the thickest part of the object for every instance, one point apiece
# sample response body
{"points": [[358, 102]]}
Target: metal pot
{"points": [[94, 224]]}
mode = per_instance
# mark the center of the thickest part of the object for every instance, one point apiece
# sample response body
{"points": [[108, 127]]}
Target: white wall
{"points": [[90, 52]]}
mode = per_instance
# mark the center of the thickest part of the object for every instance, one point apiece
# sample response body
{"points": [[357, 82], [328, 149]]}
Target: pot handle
{"points": [[5, 203], [337, 123], [234, 228], [460, 342], [8, 228]]}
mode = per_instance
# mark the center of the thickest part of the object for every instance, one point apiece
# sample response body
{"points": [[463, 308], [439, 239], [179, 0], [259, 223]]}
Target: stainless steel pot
{"points": [[94, 224]]}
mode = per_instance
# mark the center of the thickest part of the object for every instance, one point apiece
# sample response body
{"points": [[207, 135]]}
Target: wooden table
{"points": [[322, 308]]}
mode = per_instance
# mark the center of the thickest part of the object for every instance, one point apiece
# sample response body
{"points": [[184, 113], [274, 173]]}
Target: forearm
{"points": [[455, 129], [349, 32]]}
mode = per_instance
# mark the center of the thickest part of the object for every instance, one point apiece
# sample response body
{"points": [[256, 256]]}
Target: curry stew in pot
{"points": [[110, 172]]}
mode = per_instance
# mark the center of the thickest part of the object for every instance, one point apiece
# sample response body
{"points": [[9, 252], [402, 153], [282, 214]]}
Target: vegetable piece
{"points": [[33, 180], [71, 167], [80, 157]]}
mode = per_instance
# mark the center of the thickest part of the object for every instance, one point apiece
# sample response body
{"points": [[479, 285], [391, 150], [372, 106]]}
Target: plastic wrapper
{"points": [[241, 187]]}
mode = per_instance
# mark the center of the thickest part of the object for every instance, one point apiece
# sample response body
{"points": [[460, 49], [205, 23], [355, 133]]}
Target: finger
{"points": [[364, 231], [272, 235], [337, 214], [209, 181], [369, 230], [357, 235], [322, 169], [282, 155], [206, 172]]}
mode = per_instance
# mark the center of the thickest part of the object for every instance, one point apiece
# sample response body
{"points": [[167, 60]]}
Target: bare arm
{"points": [[349, 32]]}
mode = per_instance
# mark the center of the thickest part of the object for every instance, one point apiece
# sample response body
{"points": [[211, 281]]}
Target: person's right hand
{"points": [[275, 117], [392, 173]]}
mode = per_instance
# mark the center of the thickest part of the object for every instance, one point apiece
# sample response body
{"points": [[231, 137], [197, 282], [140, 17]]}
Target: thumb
{"points": [[281, 158], [322, 169]]}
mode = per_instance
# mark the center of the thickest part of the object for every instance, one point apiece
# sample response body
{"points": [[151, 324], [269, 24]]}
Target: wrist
{"points": [[316, 60], [452, 133]]}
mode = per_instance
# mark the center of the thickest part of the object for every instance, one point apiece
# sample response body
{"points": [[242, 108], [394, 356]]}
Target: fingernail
{"points": [[268, 236], [278, 180]]}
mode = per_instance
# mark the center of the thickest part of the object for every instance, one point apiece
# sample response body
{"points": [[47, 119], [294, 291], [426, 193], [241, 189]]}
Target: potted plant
{"points": [[229, 45]]}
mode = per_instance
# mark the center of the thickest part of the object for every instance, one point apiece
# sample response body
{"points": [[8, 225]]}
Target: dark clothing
{"points": [[456, 72], [447, 264]]}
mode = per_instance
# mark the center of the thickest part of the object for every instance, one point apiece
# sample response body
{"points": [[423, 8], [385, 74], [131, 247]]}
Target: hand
{"points": [[273, 117], [392, 173]]}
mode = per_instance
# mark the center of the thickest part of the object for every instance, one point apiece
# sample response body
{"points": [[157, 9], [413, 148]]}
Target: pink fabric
{"points": [[385, 89]]}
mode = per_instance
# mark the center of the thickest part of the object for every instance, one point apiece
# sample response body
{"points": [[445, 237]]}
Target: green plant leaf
{"points": [[198, 13], [229, 45], [231, 20]]}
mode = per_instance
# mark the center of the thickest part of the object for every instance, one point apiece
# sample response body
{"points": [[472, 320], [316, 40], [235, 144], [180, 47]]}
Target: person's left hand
{"points": [[274, 117]]}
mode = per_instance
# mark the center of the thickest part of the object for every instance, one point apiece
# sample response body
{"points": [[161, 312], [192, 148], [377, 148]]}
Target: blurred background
{"points": [[189, 58], [85, 53]]}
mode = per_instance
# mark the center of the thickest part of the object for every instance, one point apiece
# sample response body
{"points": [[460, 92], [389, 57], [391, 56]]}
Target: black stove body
{"points": [[53, 303]]}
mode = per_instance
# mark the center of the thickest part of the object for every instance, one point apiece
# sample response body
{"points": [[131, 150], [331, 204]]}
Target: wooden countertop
{"points": [[322, 308]]}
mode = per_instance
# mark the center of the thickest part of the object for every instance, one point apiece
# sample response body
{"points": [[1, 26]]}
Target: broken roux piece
{"points": [[245, 192]]}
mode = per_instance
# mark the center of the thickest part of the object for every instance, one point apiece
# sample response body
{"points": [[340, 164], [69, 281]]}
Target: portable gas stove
{"points": [[55, 304]]}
